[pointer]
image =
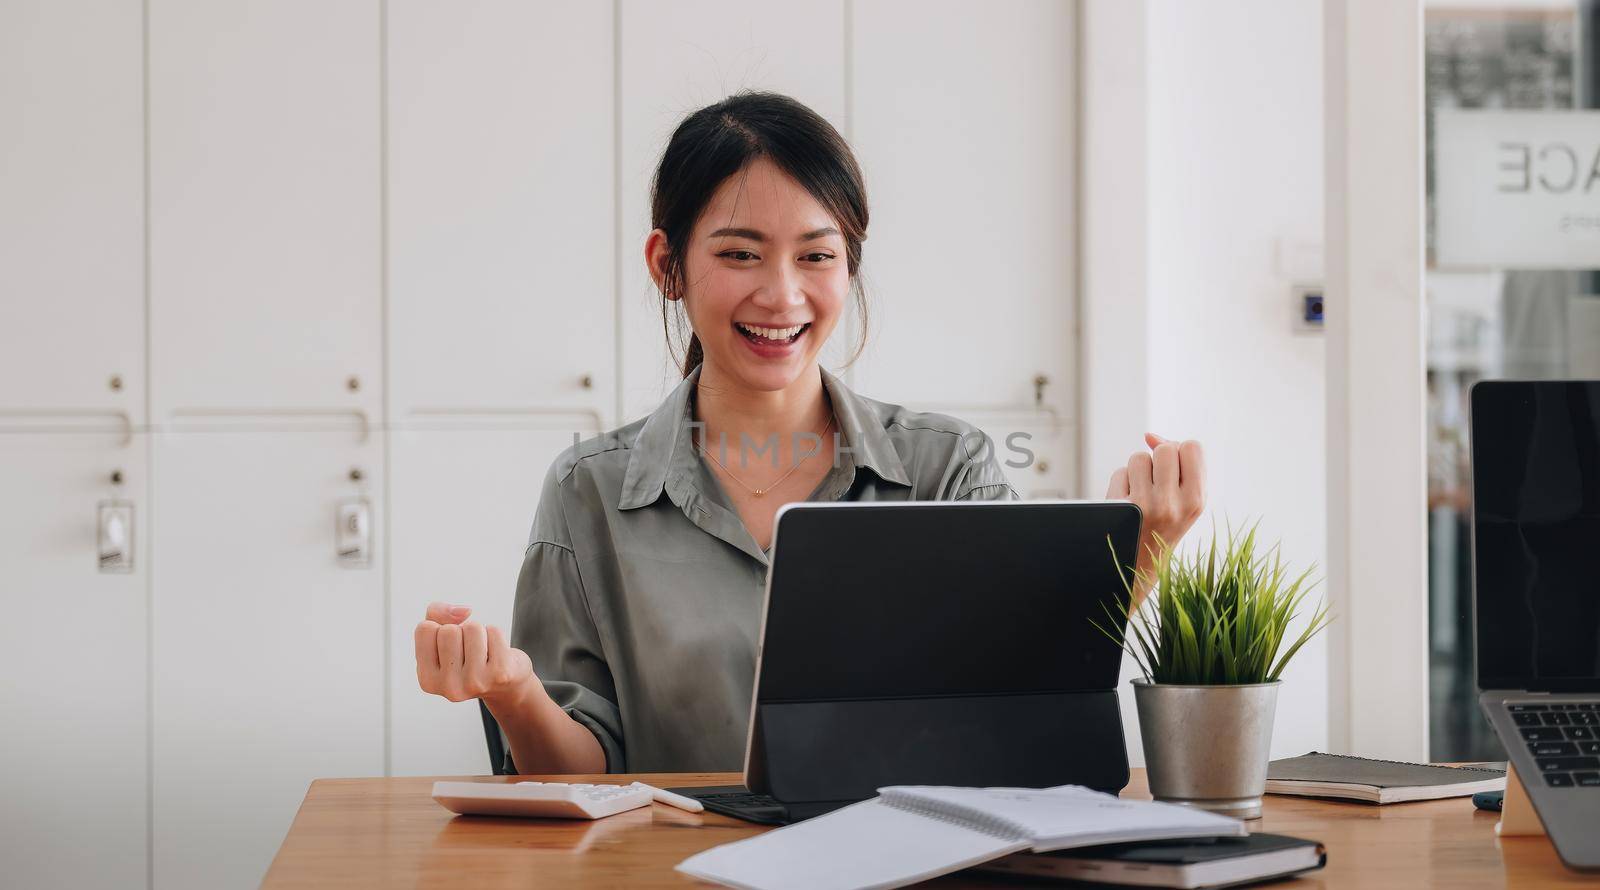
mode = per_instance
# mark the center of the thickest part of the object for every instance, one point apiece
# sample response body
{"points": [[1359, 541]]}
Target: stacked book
{"points": [[911, 833], [1377, 781]]}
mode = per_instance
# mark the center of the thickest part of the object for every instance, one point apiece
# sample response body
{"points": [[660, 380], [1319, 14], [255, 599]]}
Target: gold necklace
{"points": [[758, 492]]}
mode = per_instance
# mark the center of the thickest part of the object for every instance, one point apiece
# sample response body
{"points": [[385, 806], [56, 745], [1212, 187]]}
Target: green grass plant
{"points": [[1216, 615]]}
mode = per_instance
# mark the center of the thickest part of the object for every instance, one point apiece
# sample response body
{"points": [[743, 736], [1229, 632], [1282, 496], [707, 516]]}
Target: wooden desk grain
{"points": [[390, 833]]}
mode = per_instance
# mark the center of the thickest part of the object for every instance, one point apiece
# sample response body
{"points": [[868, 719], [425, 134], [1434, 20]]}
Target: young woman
{"points": [[633, 639]]}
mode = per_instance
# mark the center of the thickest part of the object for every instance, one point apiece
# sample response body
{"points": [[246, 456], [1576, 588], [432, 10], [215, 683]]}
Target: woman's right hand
{"points": [[461, 659]]}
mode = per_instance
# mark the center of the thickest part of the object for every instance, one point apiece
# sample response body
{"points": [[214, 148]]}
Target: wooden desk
{"points": [[390, 833]]}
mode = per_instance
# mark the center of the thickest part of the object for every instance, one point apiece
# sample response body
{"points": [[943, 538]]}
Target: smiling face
{"points": [[766, 278]]}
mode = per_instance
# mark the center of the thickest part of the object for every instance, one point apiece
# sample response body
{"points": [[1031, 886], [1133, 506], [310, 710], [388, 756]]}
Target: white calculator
{"points": [[552, 800]]}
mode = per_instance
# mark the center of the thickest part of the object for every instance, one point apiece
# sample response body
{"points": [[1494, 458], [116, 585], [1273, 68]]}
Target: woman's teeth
{"points": [[771, 333]]}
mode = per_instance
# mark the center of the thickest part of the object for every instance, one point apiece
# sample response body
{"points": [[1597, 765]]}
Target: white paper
{"points": [[1066, 816], [863, 845]]}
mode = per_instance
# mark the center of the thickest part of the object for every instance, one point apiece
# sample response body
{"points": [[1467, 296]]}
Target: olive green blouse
{"points": [[640, 595]]}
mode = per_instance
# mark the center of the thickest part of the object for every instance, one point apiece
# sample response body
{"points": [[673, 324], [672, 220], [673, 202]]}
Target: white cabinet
{"points": [[962, 118], [676, 58], [502, 220], [268, 667], [336, 232], [1032, 447], [463, 502], [71, 209], [969, 277], [264, 207], [74, 651]]}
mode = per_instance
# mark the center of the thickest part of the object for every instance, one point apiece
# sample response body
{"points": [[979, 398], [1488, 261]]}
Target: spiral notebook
{"points": [[910, 833]]}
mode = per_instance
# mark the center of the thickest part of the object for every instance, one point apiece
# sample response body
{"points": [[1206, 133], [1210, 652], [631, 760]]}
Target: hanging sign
{"points": [[1517, 189]]}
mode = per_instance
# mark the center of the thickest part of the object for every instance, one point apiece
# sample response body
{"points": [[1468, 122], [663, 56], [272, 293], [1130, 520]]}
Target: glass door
{"points": [[1513, 187]]}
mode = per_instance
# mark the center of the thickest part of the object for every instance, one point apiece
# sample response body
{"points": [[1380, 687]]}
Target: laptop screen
{"points": [[883, 601], [1536, 534]]}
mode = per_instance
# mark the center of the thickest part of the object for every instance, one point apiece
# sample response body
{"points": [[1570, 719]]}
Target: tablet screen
{"points": [[1536, 534]]}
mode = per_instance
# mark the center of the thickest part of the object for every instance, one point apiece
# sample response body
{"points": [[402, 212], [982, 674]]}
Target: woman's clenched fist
{"points": [[1168, 482], [461, 659]]}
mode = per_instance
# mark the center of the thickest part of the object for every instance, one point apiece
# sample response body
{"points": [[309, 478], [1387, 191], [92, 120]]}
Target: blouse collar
{"points": [[664, 450]]}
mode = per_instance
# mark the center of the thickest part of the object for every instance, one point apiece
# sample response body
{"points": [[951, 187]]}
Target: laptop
{"points": [[937, 643], [1536, 595]]}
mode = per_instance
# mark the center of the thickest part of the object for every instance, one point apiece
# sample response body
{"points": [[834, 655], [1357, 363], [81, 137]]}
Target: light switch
{"points": [[1308, 308], [353, 534], [116, 536]]}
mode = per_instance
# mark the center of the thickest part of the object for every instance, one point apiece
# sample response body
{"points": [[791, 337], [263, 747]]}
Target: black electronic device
{"points": [[1536, 595], [939, 643]]}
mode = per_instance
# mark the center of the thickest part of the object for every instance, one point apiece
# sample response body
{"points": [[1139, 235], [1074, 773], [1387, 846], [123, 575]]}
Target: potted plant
{"points": [[1209, 642]]}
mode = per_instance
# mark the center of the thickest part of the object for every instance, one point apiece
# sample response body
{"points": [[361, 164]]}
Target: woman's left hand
{"points": [[1169, 484]]}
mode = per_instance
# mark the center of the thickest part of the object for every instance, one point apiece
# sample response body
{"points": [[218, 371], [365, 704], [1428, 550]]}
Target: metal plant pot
{"points": [[1208, 746]]}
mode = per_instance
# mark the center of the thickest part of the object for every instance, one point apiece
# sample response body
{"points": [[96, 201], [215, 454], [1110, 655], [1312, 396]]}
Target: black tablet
{"points": [[948, 643]]}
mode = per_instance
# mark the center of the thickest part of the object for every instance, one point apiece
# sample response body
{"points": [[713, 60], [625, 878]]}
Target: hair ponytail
{"points": [[694, 356]]}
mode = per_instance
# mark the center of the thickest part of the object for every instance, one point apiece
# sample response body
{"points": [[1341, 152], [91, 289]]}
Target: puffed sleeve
{"points": [[551, 621]]}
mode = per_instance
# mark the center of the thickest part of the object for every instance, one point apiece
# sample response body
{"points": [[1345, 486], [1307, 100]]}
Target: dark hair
{"points": [[717, 142]]}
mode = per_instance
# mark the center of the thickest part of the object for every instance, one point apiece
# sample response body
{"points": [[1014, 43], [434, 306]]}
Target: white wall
{"points": [[1232, 213], [1377, 409]]}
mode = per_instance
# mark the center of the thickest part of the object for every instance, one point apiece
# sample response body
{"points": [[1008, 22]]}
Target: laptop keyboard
{"points": [[1564, 739], [743, 799], [745, 805]]}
